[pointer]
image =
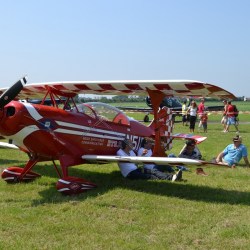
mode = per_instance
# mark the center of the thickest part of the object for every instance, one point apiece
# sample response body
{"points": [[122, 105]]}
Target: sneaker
{"points": [[177, 176], [182, 168]]}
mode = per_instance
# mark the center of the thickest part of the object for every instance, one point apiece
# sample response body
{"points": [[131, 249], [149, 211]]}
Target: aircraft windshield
{"points": [[108, 113]]}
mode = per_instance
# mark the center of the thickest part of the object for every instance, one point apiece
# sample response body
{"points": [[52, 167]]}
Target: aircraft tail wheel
{"points": [[12, 174], [73, 185]]}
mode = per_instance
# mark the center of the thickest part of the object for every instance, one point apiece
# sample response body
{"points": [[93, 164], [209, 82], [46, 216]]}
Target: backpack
{"points": [[236, 111]]}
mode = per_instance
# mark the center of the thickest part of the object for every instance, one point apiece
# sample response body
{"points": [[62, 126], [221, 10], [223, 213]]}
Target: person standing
{"points": [[184, 109], [192, 111], [224, 117], [204, 119], [236, 115], [200, 111], [230, 117]]}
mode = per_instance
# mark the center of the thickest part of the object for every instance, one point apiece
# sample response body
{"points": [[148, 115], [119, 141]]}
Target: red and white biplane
{"points": [[74, 134]]}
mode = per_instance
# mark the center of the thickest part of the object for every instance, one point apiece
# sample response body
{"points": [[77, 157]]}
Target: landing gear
{"points": [[13, 175], [73, 185], [67, 185]]}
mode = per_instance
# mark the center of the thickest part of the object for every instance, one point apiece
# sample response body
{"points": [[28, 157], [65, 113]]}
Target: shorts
{"points": [[224, 120], [231, 121], [204, 125], [229, 163]]}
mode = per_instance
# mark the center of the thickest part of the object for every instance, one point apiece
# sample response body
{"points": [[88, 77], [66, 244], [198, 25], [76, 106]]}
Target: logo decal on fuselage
{"points": [[136, 141]]}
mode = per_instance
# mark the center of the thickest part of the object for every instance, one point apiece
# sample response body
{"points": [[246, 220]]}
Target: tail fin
{"points": [[165, 123]]}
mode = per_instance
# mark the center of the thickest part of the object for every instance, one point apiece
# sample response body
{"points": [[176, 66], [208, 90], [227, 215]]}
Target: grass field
{"points": [[205, 212]]}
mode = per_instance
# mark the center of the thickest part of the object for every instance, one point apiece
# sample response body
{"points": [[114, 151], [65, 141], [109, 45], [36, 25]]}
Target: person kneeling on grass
{"points": [[233, 153], [131, 171]]}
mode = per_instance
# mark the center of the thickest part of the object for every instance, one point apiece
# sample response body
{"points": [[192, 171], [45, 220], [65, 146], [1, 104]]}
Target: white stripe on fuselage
{"points": [[32, 111], [82, 133], [89, 129], [19, 137]]}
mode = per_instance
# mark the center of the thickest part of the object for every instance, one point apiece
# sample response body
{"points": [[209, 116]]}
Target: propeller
{"points": [[12, 92]]}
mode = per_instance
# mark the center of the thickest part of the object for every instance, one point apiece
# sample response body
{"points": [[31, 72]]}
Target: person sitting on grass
{"points": [[131, 171], [190, 151], [146, 150], [233, 153]]}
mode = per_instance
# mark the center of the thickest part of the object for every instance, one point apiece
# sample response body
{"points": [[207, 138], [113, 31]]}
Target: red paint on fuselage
{"points": [[54, 134]]}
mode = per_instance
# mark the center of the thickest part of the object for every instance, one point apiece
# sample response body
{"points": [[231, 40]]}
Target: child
{"points": [[204, 119]]}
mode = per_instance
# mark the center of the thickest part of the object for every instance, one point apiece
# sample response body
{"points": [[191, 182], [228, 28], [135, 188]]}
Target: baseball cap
{"points": [[237, 138]]}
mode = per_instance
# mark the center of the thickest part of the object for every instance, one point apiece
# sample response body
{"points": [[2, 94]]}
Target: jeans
{"points": [[138, 174]]}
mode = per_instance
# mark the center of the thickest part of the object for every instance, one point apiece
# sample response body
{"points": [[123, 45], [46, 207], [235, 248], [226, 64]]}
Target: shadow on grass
{"points": [[113, 180], [8, 161]]}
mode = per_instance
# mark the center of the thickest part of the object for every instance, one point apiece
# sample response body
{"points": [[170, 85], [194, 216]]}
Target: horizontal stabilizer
{"points": [[197, 138]]}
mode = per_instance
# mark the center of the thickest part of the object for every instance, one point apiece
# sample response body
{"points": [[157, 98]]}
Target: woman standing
{"points": [[192, 111]]}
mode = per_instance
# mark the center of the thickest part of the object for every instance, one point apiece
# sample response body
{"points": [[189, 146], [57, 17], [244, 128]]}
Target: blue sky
{"points": [[62, 40]]}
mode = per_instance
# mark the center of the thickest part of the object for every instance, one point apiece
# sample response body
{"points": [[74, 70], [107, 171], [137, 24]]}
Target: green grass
{"points": [[209, 212]]}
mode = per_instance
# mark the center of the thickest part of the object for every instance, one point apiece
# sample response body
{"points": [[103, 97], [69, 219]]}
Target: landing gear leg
{"points": [[70, 185], [16, 174]]}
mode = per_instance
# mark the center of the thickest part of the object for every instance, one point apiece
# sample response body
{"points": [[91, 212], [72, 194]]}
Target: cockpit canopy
{"points": [[103, 111]]}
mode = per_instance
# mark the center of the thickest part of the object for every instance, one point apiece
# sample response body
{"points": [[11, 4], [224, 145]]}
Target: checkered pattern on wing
{"points": [[168, 87]]}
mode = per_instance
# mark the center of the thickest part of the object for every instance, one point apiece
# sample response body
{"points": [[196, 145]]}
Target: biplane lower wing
{"points": [[146, 160], [8, 145]]}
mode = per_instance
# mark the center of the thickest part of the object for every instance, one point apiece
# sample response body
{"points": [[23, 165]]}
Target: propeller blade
{"points": [[12, 92]]}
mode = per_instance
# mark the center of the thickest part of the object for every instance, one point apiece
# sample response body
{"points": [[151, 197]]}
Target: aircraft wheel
{"points": [[12, 174], [146, 118], [73, 185]]}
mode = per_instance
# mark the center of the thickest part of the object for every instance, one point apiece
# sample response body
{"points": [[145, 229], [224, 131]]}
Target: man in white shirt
{"points": [[130, 170]]}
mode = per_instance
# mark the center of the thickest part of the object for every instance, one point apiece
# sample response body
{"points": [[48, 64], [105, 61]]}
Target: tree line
{"points": [[128, 98]]}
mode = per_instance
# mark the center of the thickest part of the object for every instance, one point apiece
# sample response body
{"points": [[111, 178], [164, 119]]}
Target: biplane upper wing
{"points": [[168, 87], [147, 160]]}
